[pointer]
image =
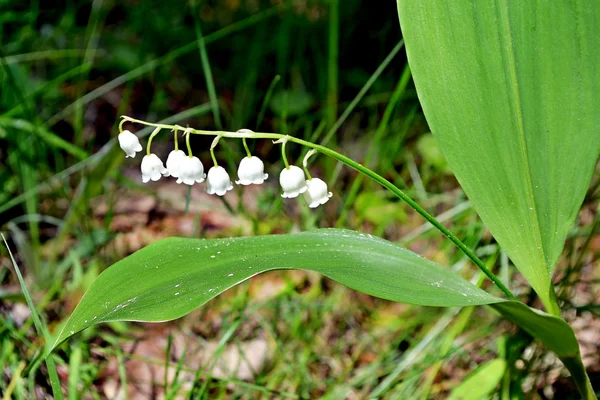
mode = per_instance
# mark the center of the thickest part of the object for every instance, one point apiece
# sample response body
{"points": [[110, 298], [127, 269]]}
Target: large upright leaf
{"points": [[511, 90]]}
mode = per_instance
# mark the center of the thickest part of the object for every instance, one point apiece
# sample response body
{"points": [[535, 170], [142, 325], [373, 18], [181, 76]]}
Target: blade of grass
{"points": [[122, 371], [13, 381], [397, 95], [167, 363], [74, 367], [415, 176], [94, 27], [176, 385], [332, 62], [362, 93], [44, 55], [39, 327], [266, 100], [210, 83]]}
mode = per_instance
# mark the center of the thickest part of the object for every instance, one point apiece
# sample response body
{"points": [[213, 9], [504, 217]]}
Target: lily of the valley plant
{"points": [[201, 272], [510, 91]]}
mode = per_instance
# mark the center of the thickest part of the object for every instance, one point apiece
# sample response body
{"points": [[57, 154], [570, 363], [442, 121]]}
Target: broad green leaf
{"points": [[511, 91], [173, 277], [481, 382]]}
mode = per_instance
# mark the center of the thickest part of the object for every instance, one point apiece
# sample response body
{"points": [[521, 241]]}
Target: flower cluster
{"points": [[189, 170]]}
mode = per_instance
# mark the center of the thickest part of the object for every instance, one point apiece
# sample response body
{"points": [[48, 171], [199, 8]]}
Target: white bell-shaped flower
{"points": [[190, 171], [175, 161], [317, 193], [251, 170], [292, 182], [129, 143], [217, 181], [152, 168]]}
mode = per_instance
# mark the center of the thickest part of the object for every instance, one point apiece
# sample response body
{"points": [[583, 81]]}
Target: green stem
{"points": [[212, 155], [154, 133], [580, 376], [305, 163], [212, 149], [187, 143], [551, 305], [121, 125], [246, 147], [358, 167], [307, 173], [176, 139], [283, 156]]}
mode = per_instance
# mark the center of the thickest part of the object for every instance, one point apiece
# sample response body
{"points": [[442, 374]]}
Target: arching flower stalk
{"points": [[293, 182]]}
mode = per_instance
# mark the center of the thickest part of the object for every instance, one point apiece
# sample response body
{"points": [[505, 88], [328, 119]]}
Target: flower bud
{"points": [[317, 192], [129, 143], [175, 161], [191, 171], [218, 181], [292, 182], [251, 170], [152, 168]]}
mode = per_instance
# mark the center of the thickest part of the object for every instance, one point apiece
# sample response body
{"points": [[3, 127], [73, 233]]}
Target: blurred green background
{"points": [[332, 72]]}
